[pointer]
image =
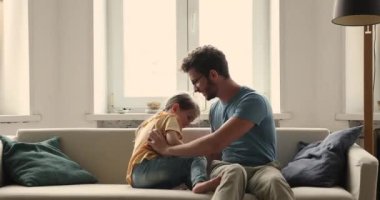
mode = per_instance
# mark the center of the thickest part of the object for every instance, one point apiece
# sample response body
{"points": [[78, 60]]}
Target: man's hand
{"points": [[158, 143]]}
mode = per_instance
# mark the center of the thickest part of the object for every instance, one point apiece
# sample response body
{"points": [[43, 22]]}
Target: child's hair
{"points": [[184, 101]]}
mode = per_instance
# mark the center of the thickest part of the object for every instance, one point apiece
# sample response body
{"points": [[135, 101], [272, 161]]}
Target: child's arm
{"points": [[173, 138]]}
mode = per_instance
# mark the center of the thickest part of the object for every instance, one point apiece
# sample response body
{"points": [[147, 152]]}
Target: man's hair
{"points": [[205, 58], [185, 102]]}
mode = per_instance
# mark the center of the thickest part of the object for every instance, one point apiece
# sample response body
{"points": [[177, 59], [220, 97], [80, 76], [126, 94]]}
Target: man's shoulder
{"points": [[250, 94], [214, 105]]}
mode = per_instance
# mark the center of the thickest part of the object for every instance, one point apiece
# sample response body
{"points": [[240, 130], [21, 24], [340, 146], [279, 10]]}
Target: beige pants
{"points": [[265, 182]]}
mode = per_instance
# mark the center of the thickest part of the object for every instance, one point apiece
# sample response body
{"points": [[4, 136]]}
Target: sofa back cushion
{"points": [[105, 152], [41, 164], [289, 138], [322, 163]]}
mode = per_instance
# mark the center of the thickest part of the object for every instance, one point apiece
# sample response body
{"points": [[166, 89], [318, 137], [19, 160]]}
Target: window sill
{"points": [[19, 118], [143, 116], [355, 116]]}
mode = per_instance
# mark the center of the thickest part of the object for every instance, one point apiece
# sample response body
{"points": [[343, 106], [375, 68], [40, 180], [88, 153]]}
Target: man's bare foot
{"points": [[207, 186]]}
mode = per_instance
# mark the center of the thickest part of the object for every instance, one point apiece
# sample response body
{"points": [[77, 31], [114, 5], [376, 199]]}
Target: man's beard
{"points": [[210, 91]]}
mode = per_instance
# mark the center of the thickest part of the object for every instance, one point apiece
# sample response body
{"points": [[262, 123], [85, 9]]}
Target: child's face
{"points": [[185, 117]]}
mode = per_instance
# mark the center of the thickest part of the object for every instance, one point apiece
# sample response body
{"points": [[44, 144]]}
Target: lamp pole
{"points": [[362, 13], [369, 143]]}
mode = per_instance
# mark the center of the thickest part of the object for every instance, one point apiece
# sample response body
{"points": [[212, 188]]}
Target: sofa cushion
{"points": [[322, 163], [100, 192], [288, 139], [123, 191], [319, 193], [42, 163]]}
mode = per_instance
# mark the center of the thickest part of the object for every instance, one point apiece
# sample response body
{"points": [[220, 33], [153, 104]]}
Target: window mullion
{"points": [[193, 24], [182, 43]]}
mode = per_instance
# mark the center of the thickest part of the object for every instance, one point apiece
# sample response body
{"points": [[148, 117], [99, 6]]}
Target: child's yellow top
{"points": [[163, 122]]}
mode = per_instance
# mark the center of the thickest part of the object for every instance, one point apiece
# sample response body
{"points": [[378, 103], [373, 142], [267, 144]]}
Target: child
{"points": [[147, 169]]}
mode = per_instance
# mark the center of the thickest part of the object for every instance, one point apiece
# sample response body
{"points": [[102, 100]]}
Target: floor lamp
{"points": [[362, 13]]}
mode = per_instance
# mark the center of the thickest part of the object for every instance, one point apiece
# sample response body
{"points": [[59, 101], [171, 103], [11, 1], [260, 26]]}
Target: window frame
{"points": [[115, 79], [187, 18], [354, 69]]}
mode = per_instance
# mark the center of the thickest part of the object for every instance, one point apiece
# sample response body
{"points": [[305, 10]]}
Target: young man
{"points": [[243, 132]]}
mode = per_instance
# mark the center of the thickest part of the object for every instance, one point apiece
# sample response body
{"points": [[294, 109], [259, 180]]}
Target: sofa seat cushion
{"points": [[121, 192], [98, 191], [318, 193]]}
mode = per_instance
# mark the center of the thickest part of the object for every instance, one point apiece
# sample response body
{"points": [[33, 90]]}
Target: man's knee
{"points": [[276, 184], [233, 183], [274, 179], [234, 172]]}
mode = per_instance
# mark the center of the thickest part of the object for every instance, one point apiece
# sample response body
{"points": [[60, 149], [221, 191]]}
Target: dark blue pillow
{"points": [[322, 163]]}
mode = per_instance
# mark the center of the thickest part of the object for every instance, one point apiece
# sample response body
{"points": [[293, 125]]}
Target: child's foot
{"points": [[207, 186]]}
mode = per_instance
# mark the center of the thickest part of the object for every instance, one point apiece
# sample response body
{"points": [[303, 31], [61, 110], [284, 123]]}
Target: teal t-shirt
{"points": [[258, 145]]}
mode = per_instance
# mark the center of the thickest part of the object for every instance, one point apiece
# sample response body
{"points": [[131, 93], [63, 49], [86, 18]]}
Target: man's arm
{"points": [[230, 131]]}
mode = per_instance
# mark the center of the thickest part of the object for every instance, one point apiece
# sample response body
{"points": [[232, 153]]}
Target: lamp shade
{"points": [[356, 12]]}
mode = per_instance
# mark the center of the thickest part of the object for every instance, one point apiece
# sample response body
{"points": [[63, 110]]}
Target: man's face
{"points": [[203, 84]]}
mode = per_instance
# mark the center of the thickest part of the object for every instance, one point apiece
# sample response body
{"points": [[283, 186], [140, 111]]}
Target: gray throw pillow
{"points": [[40, 164], [322, 163]]}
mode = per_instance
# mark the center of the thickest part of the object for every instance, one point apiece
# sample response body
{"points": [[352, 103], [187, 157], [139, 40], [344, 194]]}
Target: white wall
{"points": [[61, 61], [312, 64]]}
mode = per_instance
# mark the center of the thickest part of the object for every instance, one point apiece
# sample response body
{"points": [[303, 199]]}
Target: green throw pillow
{"points": [[42, 163]]}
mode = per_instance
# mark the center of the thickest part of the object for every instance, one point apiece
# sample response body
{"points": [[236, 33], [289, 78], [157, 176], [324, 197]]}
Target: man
{"points": [[243, 132]]}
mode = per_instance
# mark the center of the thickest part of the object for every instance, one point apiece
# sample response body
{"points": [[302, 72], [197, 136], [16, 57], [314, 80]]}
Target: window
{"points": [[150, 51], [146, 44], [14, 58], [354, 69]]}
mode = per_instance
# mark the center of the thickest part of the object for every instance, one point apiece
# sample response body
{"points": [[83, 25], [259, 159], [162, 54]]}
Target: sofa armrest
{"points": [[361, 173], [1, 164]]}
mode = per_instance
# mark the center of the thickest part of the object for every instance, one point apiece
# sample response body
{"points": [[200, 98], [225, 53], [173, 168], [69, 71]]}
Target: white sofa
{"points": [[105, 153]]}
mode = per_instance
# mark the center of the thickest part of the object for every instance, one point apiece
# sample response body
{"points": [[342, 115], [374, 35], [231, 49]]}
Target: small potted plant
{"points": [[153, 106]]}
